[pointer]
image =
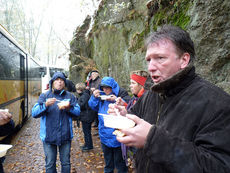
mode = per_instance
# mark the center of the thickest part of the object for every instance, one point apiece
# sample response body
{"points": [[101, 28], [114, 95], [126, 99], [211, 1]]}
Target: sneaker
{"points": [[83, 146]]}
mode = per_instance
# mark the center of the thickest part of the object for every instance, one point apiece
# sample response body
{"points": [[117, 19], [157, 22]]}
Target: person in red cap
{"points": [[137, 82]]}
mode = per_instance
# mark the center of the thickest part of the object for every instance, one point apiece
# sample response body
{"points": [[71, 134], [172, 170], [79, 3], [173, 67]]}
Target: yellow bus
{"points": [[20, 79]]}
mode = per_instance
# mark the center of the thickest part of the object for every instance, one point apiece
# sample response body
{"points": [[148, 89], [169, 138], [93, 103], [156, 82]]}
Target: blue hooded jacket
{"points": [[101, 106], [56, 124]]}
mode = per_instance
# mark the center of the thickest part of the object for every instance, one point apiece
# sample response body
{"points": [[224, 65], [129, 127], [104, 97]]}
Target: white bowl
{"points": [[117, 121], [3, 149], [105, 97], [4, 110]]}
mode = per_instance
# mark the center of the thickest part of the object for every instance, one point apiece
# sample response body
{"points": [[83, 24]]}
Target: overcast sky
{"points": [[64, 16]]}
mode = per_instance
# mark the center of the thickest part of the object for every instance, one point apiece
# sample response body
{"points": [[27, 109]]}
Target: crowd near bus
{"points": [[175, 120]]}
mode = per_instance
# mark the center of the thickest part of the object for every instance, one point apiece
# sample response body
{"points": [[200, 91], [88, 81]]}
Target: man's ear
{"points": [[185, 58]]}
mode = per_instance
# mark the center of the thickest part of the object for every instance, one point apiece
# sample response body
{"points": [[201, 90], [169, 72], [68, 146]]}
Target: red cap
{"points": [[139, 79]]}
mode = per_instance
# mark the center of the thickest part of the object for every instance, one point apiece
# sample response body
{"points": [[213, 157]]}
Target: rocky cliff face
{"points": [[113, 40]]}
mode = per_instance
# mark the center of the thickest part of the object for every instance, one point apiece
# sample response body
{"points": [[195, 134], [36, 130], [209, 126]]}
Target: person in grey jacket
{"points": [[183, 122]]}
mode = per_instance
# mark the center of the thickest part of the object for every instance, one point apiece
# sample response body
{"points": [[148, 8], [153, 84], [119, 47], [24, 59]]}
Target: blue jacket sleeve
{"points": [[39, 108], [94, 103], [74, 107]]}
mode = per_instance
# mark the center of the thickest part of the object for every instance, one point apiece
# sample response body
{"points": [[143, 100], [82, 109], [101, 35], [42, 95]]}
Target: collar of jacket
{"points": [[141, 92], [176, 83], [59, 92]]}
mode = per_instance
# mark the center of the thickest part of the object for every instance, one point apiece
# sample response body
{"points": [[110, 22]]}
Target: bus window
{"points": [[9, 59]]}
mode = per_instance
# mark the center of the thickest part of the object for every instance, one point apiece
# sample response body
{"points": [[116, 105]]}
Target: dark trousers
{"points": [[1, 166], [96, 122], [113, 159], [86, 127]]}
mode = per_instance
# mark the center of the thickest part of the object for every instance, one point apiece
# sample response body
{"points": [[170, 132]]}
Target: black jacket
{"points": [[87, 114], [7, 128], [191, 127], [95, 83], [70, 86]]}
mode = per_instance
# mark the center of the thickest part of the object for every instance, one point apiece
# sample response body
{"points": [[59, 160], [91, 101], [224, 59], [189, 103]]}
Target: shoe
{"points": [[86, 148], [95, 134], [83, 146]]}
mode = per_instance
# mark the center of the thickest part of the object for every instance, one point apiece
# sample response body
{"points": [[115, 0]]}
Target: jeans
{"points": [[51, 157], [113, 159], [87, 134]]}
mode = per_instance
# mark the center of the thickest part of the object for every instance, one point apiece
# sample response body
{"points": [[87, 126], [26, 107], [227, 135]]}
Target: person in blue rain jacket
{"points": [[56, 108], [110, 146]]}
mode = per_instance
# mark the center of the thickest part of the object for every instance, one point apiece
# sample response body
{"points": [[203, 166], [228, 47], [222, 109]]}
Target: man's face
{"points": [[134, 87], [58, 84], [107, 90], [94, 75], [163, 60], [79, 91]]}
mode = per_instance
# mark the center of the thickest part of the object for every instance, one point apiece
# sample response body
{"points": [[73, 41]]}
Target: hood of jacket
{"points": [[55, 76], [110, 82]]}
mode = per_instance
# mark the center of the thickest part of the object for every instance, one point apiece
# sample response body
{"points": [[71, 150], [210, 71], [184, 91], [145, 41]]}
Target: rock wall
{"points": [[113, 40]]}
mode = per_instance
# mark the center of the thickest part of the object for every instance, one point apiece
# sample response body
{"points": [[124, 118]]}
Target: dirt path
{"points": [[27, 154]]}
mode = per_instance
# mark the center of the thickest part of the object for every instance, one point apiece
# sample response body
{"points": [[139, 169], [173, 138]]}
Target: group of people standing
{"points": [[182, 121], [56, 119]]}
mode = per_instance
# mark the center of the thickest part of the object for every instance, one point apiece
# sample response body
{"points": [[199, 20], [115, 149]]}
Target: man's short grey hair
{"points": [[180, 38], [80, 86]]}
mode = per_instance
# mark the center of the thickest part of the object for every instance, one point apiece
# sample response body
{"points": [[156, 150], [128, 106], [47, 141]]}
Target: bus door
{"points": [[24, 78]]}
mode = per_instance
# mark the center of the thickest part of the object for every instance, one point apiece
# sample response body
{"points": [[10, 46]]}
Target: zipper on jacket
{"points": [[162, 98], [159, 112], [147, 165]]}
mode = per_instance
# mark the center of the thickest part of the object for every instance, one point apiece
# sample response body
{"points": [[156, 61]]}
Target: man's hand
{"points": [[116, 109], [5, 117], [92, 89], [96, 93], [137, 135], [50, 101], [120, 101]]}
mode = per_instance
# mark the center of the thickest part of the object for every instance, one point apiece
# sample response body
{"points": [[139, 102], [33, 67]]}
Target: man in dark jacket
{"points": [[93, 83], [183, 122], [6, 127], [87, 115], [56, 108], [94, 80], [69, 84]]}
